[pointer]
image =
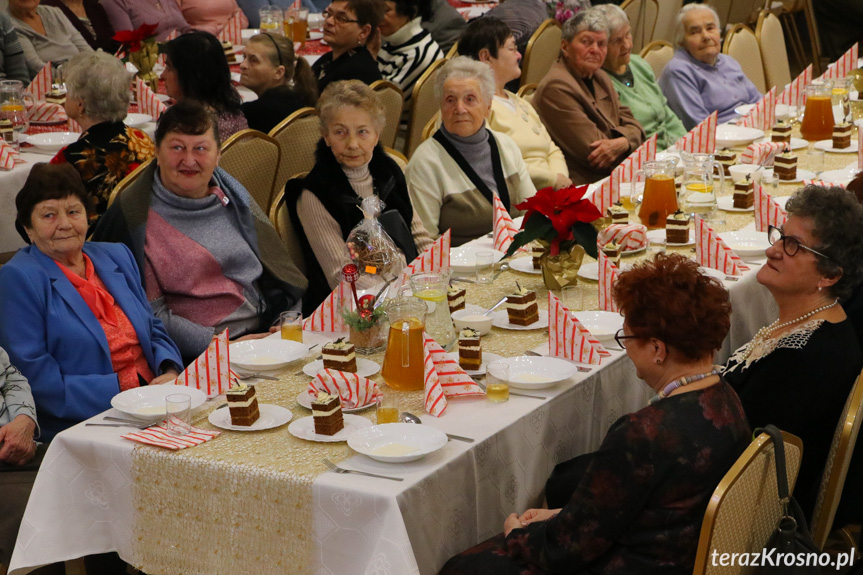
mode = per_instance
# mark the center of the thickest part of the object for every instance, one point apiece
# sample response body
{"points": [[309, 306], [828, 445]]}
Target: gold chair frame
{"points": [[248, 170]]}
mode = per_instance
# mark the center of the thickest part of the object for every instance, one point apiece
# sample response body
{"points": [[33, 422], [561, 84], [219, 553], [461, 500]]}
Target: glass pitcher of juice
{"points": [[431, 288], [818, 113], [698, 189], [403, 361], [12, 108], [659, 198]]}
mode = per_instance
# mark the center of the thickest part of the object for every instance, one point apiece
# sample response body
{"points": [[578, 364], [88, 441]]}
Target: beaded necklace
{"points": [[764, 331], [683, 381]]}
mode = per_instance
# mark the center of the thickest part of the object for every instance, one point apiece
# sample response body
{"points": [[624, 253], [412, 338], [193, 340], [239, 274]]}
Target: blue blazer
{"points": [[58, 344]]}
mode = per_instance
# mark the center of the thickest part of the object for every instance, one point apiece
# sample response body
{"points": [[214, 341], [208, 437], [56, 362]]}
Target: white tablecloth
{"points": [[11, 183]]}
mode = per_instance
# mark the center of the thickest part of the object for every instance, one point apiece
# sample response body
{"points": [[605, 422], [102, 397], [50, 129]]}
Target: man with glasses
{"points": [[348, 26]]}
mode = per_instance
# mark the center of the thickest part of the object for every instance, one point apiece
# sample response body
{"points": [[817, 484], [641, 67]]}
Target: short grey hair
{"points": [[465, 68], [102, 82], [679, 32], [615, 16], [351, 94], [591, 19]]}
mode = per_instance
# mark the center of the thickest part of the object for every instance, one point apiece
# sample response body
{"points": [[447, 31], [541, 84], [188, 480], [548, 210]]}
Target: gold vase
{"points": [[561, 270], [144, 60]]}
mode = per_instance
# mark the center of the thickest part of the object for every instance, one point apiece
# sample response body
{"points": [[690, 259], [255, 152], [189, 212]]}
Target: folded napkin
{"points": [[767, 211], [434, 259], [841, 67], [354, 390], [504, 228], [712, 252], [763, 115], [444, 378], [608, 273], [823, 183], [328, 316], [9, 156], [701, 139], [646, 152], [45, 112], [41, 84], [233, 31], [158, 435], [793, 93], [762, 154], [568, 338], [629, 237], [148, 103], [608, 193], [211, 372]]}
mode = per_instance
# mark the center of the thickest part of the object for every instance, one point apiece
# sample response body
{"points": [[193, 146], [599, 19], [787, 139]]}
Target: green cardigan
{"points": [[648, 104]]}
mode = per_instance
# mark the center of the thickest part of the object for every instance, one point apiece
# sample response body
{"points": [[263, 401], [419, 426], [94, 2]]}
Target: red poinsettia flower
{"points": [[133, 38], [563, 207]]}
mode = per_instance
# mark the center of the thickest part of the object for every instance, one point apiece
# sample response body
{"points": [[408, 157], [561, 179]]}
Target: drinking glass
{"points": [[271, 20], [387, 408], [815, 160], [770, 182], [178, 411], [12, 108], [291, 325], [484, 267], [296, 24], [497, 382], [840, 98], [571, 297]]}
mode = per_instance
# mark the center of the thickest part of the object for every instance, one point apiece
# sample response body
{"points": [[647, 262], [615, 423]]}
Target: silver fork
{"points": [[335, 468]]}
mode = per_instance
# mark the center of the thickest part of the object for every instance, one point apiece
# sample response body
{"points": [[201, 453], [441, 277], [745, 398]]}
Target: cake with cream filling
{"points": [[726, 159], [618, 214], [242, 404], [469, 349], [785, 166], [229, 52], [781, 132], [455, 298], [677, 228], [56, 97], [536, 252], [327, 414], [7, 133], [612, 251], [521, 306], [340, 355], [744, 194], [842, 135]]}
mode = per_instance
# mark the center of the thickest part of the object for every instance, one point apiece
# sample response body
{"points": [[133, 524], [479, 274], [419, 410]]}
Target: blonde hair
{"points": [[353, 93]]}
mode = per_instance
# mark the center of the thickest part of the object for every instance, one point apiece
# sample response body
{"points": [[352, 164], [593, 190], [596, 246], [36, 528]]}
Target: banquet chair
{"points": [[431, 127], [128, 181], [453, 52], [744, 11], [397, 157], [643, 15], [658, 54], [281, 220], [722, 8], [298, 135], [666, 20], [742, 45], [745, 507], [541, 52], [424, 104], [527, 91], [771, 40], [836, 468], [252, 158], [392, 99], [788, 14]]}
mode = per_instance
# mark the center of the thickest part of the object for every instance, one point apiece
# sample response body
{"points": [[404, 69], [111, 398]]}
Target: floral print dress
{"points": [[639, 505]]}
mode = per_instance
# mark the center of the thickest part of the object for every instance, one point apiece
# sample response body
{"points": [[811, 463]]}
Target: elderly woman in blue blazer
{"points": [[73, 315]]}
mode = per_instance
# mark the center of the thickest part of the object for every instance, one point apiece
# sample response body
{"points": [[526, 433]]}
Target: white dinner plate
{"points": [[524, 265], [746, 244], [527, 372], [271, 416], [841, 176], [590, 271], [501, 320], [801, 175], [727, 204], [729, 135], [397, 442], [602, 324], [148, 401], [52, 141], [135, 120], [305, 400], [796, 143], [238, 55], [266, 354], [487, 358], [827, 146], [463, 259], [658, 237], [305, 428], [783, 111], [365, 367], [631, 252]]}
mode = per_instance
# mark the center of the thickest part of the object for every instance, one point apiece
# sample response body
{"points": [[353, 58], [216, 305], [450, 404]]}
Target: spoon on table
{"points": [[495, 306], [408, 417]]}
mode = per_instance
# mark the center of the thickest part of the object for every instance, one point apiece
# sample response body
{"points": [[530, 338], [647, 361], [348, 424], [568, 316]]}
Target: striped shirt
{"points": [[405, 55]]}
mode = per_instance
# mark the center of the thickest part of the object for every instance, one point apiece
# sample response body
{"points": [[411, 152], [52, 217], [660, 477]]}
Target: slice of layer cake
{"points": [[618, 214], [327, 414], [521, 306], [7, 133], [455, 298], [230, 55], [469, 349], [744, 194], [536, 252], [726, 159], [612, 251], [242, 404], [781, 132], [842, 136], [677, 228], [340, 355], [56, 97], [785, 166]]}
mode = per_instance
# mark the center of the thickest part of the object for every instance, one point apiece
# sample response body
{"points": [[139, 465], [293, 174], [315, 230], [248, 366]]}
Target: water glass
{"points": [[178, 411], [497, 382], [13, 108], [815, 160], [572, 297], [291, 325], [484, 267], [387, 408], [770, 182], [271, 20]]}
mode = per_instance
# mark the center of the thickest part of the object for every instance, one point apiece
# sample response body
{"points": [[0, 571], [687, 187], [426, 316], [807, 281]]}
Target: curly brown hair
{"points": [[670, 299]]}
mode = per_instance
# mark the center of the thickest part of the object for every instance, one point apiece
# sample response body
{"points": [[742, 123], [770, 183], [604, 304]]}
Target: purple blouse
{"points": [[131, 14]]}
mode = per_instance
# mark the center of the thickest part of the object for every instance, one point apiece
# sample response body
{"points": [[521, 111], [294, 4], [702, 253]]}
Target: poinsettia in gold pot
{"points": [[141, 49], [562, 222]]}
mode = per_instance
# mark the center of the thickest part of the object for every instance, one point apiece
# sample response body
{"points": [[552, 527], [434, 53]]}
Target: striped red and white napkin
{"points": [[841, 67], [822, 183], [41, 84], [9, 156], [767, 211], [701, 139], [354, 390], [73, 126], [608, 193], [328, 316], [233, 31], [628, 236], [443, 378], [646, 152], [504, 228], [762, 154], [434, 259], [794, 94], [712, 252], [148, 102], [568, 338], [46, 112], [158, 435], [763, 115], [608, 273], [211, 371]]}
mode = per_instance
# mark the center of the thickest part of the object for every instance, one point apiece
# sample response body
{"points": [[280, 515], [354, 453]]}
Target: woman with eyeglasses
{"points": [[348, 26], [283, 82], [797, 372], [636, 504]]}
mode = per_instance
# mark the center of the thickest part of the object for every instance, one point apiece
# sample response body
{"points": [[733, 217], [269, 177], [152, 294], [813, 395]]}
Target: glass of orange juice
{"points": [[12, 108], [291, 325], [497, 384], [387, 408], [297, 24]]}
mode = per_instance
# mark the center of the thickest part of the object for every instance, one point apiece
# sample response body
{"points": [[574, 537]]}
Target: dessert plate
{"points": [[501, 320], [746, 244], [527, 372], [801, 175], [397, 442], [305, 429], [827, 146], [602, 324], [658, 237], [148, 402], [365, 367], [727, 204], [590, 271], [524, 265], [266, 354], [271, 416], [305, 400], [729, 136], [487, 358], [463, 259]]}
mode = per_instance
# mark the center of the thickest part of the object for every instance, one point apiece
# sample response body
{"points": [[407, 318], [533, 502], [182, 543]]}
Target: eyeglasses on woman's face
{"points": [[790, 244], [621, 338], [341, 18]]}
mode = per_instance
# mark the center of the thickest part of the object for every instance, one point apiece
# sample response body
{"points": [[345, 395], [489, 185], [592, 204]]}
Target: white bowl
{"points": [[266, 354], [397, 442], [148, 402], [746, 244], [471, 318], [53, 141], [740, 171], [135, 120], [602, 324], [729, 135], [527, 372], [463, 259]]}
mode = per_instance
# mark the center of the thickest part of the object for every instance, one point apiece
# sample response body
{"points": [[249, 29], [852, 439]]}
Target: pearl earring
{"points": [[819, 289]]}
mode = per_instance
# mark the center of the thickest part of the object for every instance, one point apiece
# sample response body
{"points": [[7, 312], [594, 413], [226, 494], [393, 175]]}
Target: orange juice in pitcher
{"points": [[660, 196], [403, 361]]}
